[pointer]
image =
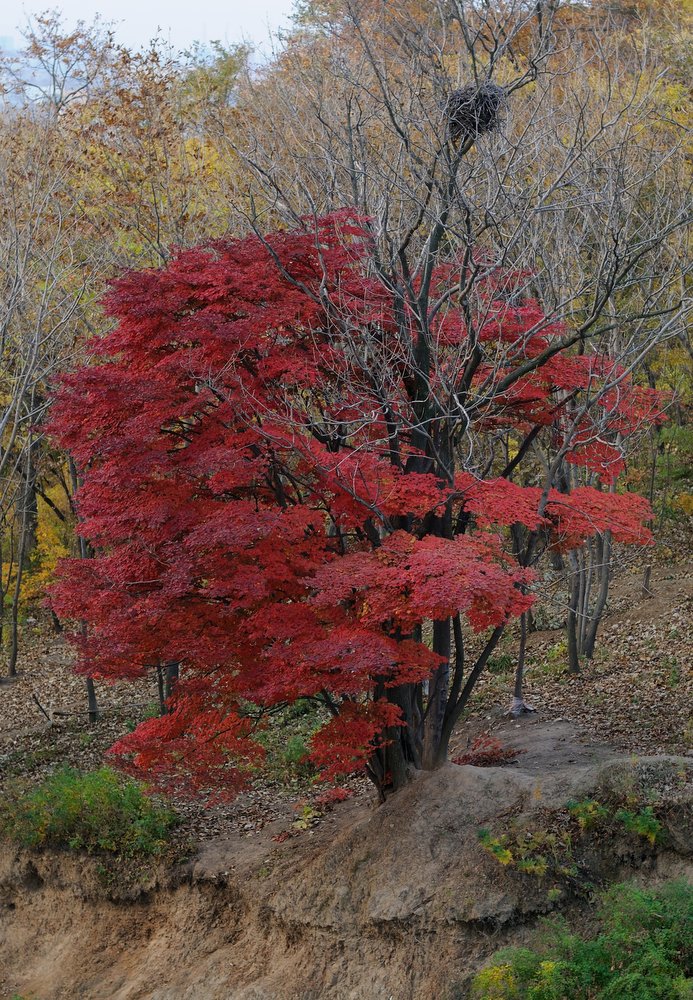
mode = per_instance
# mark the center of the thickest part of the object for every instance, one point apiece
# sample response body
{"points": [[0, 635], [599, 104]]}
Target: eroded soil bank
{"points": [[399, 902]]}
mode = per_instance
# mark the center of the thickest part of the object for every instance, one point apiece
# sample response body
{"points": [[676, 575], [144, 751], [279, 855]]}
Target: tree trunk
{"points": [[28, 502], [437, 697], [654, 435], [160, 689], [85, 552], [519, 706], [14, 613], [571, 625], [172, 675], [604, 550], [391, 766], [92, 703]]}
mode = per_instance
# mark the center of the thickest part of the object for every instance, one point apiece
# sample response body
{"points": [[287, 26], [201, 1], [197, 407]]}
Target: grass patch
{"points": [[643, 952], [95, 811], [286, 741]]}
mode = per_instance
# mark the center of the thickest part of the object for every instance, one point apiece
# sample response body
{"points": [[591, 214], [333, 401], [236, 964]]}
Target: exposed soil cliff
{"points": [[399, 902]]}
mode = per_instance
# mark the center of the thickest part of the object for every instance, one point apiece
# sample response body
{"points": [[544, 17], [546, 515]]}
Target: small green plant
{"points": [[643, 952], [502, 664], [307, 817], [558, 651], [497, 846], [296, 750], [285, 737], [588, 813], [555, 660], [96, 811], [674, 675], [643, 823], [554, 851]]}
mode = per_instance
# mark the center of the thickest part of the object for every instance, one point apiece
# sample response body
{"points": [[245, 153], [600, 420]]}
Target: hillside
{"points": [[399, 902]]}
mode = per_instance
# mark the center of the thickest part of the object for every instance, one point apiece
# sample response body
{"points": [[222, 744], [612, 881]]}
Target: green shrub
{"points": [[96, 811], [502, 664], [587, 813], [644, 952], [296, 750], [643, 823], [286, 739]]}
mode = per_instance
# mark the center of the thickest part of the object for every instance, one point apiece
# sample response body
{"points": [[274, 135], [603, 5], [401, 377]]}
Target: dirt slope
{"points": [[401, 902]]}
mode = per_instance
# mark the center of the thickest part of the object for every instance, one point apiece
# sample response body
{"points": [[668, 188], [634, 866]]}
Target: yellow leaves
{"points": [[496, 983], [52, 544], [684, 503]]}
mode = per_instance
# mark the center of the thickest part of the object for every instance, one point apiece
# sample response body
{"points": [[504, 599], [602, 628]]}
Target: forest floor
{"points": [[635, 695]]}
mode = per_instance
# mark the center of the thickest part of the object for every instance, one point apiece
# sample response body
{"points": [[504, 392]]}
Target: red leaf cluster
{"points": [[263, 516], [487, 751]]}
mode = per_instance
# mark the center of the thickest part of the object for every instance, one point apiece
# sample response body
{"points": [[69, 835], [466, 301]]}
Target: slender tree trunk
{"points": [[457, 705], [92, 703], [604, 575], [85, 553], [28, 499], [647, 574], [14, 613], [160, 689], [6, 567], [24, 521], [172, 675], [571, 625], [519, 706], [437, 697], [3, 589], [589, 557]]}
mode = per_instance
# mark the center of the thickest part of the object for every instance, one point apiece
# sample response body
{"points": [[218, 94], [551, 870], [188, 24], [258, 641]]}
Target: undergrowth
{"points": [[95, 811], [644, 951], [555, 850]]}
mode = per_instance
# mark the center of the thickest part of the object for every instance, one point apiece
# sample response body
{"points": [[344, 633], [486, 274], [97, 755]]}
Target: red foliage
{"points": [[487, 751], [256, 518], [331, 796]]}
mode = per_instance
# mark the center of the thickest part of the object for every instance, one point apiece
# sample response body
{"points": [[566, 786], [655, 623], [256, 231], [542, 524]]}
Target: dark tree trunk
{"points": [[160, 689], [391, 766], [172, 675], [519, 706], [572, 623], [28, 503], [166, 680], [92, 703], [14, 612], [604, 555], [437, 698], [85, 552]]}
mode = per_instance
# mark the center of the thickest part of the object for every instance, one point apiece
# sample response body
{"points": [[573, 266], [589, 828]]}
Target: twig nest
{"points": [[474, 110]]}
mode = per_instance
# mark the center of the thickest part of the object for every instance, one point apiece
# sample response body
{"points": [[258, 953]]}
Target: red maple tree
{"points": [[283, 494]]}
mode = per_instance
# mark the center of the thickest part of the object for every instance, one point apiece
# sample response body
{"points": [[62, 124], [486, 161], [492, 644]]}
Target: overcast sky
{"points": [[180, 23]]}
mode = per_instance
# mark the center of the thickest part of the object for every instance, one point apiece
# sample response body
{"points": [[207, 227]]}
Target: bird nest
{"points": [[474, 110]]}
